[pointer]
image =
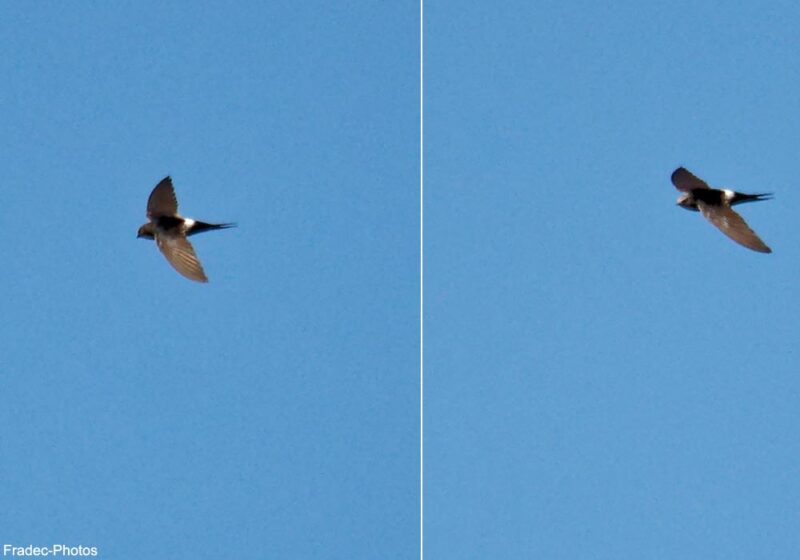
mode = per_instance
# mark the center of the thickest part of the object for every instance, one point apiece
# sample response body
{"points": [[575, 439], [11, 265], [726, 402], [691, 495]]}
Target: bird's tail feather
{"points": [[200, 227], [741, 197]]}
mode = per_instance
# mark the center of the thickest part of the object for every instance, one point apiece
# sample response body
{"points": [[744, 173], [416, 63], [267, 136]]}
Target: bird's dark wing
{"points": [[685, 181], [733, 225], [180, 254], [162, 201]]}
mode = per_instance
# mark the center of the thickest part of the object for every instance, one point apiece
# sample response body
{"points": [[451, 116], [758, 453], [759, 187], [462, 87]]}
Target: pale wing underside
{"points": [[162, 201], [733, 225], [180, 254], [685, 181]]}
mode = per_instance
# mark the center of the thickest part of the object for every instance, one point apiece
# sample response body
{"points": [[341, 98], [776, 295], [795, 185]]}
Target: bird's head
{"points": [[146, 232], [686, 200]]}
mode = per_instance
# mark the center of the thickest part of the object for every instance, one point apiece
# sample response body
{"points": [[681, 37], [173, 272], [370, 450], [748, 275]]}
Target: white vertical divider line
{"points": [[421, 291]]}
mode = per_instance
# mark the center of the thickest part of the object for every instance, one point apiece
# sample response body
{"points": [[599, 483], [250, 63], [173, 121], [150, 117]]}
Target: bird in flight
{"points": [[715, 205], [170, 231]]}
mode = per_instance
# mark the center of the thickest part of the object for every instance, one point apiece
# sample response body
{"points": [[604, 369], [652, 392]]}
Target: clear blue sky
{"points": [[607, 375], [272, 413]]}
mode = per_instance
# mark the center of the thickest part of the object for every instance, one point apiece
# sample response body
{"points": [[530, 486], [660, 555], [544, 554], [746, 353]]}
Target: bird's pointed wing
{"points": [[685, 181], [180, 254], [733, 225], [162, 201]]}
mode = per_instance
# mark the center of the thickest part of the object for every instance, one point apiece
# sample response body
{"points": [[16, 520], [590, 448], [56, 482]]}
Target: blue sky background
{"points": [[607, 375], [272, 413]]}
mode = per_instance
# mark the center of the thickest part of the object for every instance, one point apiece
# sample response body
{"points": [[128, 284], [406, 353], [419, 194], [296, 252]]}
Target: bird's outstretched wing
{"points": [[685, 181], [162, 201], [733, 225], [180, 254]]}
